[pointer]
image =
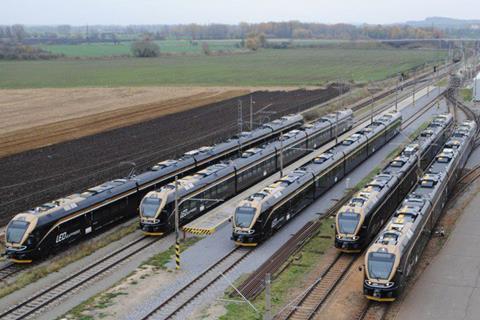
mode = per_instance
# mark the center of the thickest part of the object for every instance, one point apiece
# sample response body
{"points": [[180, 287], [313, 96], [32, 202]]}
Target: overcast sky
{"points": [[81, 12]]}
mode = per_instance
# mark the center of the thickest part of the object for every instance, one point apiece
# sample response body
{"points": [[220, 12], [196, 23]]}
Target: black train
{"points": [[391, 258], [224, 180], [258, 216], [42, 230], [360, 220]]}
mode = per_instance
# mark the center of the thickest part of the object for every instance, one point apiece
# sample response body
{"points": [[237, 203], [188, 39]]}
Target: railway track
{"points": [[372, 311], [10, 269], [185, 296], [57, 291], [307, 305]]}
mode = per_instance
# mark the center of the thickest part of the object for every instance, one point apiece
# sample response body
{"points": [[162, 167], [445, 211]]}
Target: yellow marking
{"points": [[246, 244], [152, 233], [199, 231], [380, 299], [21, 261]]}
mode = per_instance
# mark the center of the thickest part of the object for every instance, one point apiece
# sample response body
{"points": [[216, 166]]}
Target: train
{"points": [[357, 222], [56, 224], [391, 258], [197, 193], [257, 217]]}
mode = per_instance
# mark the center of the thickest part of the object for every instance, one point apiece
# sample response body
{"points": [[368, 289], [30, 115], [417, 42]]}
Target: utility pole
{"points": [[372, 108], [336, 114], [336, 127], [396, 95], [177, 227], [268, 298], [281, 155], [251, 112], [240, 116], [414, 86]]}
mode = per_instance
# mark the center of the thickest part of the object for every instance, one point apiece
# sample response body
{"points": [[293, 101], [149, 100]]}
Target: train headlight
{"points": [[251, 231]]}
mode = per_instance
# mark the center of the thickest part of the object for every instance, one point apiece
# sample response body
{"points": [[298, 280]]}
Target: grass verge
{"points": [[160, 260], [57, 263], [92, 308]]}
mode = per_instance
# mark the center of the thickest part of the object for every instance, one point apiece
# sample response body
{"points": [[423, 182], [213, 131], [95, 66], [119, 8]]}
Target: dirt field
{"points": [[35, 118], [32, 177]]}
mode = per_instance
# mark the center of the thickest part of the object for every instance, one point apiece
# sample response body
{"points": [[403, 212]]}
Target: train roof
{"points": [[380, 185], [199, 180], [281, 188], [70, 204], [408, 218]]}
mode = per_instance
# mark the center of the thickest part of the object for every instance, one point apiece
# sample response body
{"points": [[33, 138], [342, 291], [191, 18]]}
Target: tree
{"points": [[18, 32], [206, 48], [252, 43], [145, 49]]}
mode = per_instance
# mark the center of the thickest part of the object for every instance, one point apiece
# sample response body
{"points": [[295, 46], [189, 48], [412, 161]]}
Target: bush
{"points": [[145, 49], [15, 51]]}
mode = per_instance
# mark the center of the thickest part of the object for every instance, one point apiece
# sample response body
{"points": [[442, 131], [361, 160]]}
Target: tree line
{"points": [[286, 30]]}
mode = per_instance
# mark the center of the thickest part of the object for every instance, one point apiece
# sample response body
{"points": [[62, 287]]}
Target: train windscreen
{"points": [[149, 207], [15, 231], [347, 222], [380, 265], [244, 216]]}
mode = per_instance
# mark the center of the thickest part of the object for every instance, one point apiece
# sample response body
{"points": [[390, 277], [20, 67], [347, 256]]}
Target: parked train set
{"points": [[57, 224], [391, 258], [197, 193], [258, 216], [366, 212]]}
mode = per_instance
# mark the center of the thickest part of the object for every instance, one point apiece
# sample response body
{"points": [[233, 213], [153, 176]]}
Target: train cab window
{"points": [[347, 222], [443, 159], [380, 265], [15, 231], [347, 142], [149, 207], [427, 183], [244, 216], [397, 163]]}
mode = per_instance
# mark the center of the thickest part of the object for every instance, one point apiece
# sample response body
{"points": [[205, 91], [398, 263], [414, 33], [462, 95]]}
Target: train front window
{"points": [[347, 222], [244, 216], [380, 265], [15, 231], [150, 207]]}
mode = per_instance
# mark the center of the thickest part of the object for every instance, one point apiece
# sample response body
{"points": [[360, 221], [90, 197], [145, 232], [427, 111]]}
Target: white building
{"points": [[476, 88]]}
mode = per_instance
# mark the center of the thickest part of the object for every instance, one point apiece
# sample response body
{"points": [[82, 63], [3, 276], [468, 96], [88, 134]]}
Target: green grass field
{"points": [[267, 67], [123, 48]]}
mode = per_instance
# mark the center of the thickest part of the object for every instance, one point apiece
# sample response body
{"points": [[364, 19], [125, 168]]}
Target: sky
{"points": [[124, 12]]}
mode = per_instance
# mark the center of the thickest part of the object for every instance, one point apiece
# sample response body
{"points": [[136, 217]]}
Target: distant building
{"points": [[476, 88]]}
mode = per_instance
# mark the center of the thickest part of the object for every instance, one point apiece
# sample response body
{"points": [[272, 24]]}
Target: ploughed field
{"points": [[36, 176]]}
